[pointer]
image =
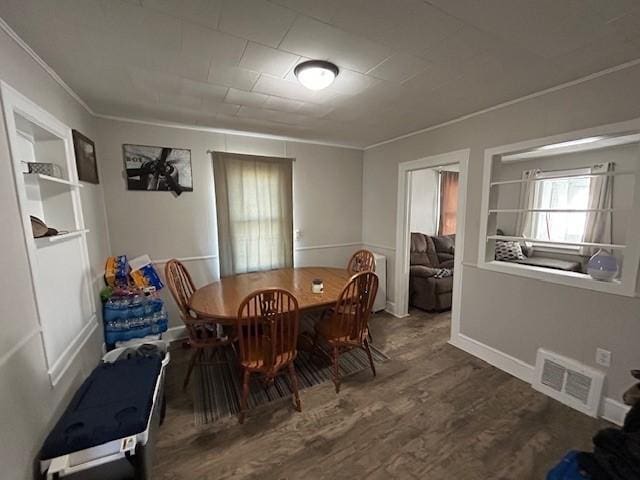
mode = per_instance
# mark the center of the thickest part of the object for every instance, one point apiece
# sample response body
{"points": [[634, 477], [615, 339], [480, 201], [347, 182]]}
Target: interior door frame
{"points": [[401, 297]]}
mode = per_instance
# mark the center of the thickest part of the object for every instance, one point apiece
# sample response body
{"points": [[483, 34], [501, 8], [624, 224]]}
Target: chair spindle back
{"points": [[180, 285], [353, 309], [268, 324], [361, 261]]}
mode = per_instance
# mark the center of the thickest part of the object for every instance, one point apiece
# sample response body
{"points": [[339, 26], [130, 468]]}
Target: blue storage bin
{"points": [[568, 469], [113, 417]]}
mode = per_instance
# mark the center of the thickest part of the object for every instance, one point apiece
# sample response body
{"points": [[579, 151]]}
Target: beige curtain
{"points": [[448, 202], [254, 204], [598, 225], [528, 194]]}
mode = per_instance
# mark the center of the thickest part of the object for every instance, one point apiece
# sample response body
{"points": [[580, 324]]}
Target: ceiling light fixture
{"points": [[316, 74]]}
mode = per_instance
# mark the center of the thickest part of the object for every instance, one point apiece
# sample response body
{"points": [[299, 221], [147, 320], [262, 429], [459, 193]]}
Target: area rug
{"points": [[218, 387]]}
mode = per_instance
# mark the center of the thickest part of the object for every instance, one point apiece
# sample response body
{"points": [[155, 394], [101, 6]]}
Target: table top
{"points": [[221, 299]]}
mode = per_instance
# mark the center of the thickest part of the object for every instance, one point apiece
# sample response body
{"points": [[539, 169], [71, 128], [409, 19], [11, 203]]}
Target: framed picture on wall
{"points": [[86, 162], [160, 169]]}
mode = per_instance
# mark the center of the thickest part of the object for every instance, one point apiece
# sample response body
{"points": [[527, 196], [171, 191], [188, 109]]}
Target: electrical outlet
{"points": [[603, 357]]}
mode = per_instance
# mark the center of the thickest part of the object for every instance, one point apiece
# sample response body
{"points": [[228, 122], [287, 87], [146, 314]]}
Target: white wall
{"points": [[28, 404], [423, 216], [512, 314], [327, 199]]}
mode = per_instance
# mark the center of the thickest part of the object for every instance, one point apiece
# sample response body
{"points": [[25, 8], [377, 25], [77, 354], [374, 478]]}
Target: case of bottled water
{"points": [[134, 315]]}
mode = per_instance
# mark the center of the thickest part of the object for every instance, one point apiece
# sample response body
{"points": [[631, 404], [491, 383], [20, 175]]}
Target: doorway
{"points": [[406, 170]]}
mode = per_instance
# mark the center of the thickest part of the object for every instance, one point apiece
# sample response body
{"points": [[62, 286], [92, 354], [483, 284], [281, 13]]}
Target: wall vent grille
{"points": [[569, 382]]}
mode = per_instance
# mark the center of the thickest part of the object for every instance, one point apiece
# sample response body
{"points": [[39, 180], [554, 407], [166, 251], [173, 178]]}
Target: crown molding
{"points": [[562, 86], [225, 131], [45, 66], [51, 72]]}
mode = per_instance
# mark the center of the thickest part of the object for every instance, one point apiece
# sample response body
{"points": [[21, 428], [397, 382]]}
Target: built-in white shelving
{"points": [[504, 208], [59, 264], [507, 238], [60, 237], [556, 210], [42, 178]]}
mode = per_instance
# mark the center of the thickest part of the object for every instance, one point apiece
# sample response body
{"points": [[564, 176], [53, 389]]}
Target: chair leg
{"points": [[336, 369], [368, 350], [192, 362], [245, 396], [294, 386], [316, 351]]}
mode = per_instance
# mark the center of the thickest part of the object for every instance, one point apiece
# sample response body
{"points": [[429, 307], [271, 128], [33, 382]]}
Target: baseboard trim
{"points": [[610, 409], [613, 411], [391, 309], [498, 359], [173, 334]]}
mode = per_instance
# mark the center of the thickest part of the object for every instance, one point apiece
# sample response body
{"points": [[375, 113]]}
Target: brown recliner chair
{"points": [[428, 255]]}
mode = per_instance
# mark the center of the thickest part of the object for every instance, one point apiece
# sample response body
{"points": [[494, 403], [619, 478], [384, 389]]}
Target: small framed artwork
{"points": [[159, 169], [86, 163]]}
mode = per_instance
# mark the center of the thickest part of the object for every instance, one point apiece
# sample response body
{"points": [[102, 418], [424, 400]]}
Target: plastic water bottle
{"points": [[109, 312], [137, 307], [148, 314]]}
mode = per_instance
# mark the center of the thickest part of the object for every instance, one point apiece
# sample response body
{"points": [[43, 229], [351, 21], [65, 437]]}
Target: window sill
{"points": [[547, 248], [570, 279]]}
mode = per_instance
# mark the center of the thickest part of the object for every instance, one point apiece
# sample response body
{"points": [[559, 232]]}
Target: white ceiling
{"points": [[405, 64]]}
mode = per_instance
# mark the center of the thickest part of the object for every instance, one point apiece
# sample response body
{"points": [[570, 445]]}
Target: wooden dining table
{"points": [[220, 300]]}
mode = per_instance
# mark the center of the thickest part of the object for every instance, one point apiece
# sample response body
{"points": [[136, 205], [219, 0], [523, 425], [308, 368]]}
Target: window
{"points": [[256, 216], [255, 212], [570, 193]]}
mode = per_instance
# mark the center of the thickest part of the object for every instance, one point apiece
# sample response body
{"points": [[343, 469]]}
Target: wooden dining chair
{"points": [[361, 261], [267, 324], [347, 327], [202, 332]]}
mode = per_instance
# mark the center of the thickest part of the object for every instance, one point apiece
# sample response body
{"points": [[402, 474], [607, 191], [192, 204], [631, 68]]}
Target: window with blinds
{"points": [[563, 202]]}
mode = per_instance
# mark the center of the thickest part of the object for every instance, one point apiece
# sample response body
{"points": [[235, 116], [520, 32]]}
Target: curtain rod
{"points": [[251, 155], [573, 168]]}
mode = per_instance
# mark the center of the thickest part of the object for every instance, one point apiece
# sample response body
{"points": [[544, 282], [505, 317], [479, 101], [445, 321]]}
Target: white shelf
{"points": [[59, 238], [573, 279], [40, 177], [555, 242], [556, 210]]}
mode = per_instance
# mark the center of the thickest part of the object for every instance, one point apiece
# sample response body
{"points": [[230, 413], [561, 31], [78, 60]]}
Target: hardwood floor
{"points": [[432, 412]]}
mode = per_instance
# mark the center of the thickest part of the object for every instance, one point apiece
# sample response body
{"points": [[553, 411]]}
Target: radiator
{"points": [[381, 271]]}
